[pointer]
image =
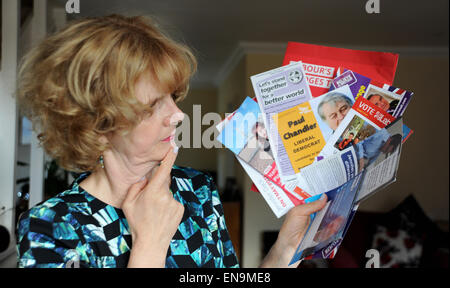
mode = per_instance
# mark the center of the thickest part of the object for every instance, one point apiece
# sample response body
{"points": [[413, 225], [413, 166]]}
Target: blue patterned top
{"points": [[75, 229]]}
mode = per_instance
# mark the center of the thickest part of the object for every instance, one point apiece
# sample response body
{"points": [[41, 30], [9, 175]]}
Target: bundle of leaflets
{"points": [[296, 146]]}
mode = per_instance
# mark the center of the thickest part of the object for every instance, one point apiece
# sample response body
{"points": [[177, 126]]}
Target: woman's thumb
{"points": [[314, 206]]}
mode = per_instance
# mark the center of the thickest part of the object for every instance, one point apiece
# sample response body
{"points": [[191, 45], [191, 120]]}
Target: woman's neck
{"points": [[111, 184]]}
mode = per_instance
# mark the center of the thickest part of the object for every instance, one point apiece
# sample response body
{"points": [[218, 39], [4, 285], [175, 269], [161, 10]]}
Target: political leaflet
{"points": [[336, 169], [278, 199], [379, 156], [328, 226], [330, 172], [277, 90], [362, 121], [391, 99], [305, 128]]}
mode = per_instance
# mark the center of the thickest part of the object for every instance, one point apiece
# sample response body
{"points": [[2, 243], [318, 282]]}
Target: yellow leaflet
{"points": [[300, 134]]}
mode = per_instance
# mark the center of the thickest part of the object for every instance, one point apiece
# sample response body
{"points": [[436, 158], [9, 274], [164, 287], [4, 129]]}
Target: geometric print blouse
{"points": [[75, 229]]}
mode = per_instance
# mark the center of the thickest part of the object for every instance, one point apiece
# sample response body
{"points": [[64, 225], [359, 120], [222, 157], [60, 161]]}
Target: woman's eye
{"points": [[156, 102]]}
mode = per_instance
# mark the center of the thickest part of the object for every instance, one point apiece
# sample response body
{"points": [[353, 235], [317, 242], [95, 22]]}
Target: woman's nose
{"points": [[175, 116]]}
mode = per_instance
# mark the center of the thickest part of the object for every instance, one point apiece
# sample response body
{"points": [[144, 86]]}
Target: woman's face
{"points": [[151, 139]]}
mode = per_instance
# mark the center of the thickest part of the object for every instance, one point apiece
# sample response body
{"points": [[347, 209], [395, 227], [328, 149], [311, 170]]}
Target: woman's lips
{"points": [[170, 138]]}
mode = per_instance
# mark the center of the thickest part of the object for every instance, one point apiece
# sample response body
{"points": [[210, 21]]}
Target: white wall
{"points": [[38, 32], [15, 43], [8, 115]]}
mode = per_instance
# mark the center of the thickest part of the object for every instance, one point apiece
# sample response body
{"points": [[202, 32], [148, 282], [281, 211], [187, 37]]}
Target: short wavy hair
{"points": [[78, 84]]}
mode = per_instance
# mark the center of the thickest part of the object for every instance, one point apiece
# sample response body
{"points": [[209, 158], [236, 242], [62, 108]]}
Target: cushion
{"points": [[401, 235]]}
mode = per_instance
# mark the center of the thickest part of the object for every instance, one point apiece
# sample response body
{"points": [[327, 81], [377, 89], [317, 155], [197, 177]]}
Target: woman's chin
{"points": [[160, 151], [165, 148]]}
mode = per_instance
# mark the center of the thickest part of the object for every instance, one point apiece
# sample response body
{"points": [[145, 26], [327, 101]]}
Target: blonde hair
{"points": [[78, 84]]}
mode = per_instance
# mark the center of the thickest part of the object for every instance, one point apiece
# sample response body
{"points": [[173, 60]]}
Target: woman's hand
{"points": [[153, 216], [291, 233]]}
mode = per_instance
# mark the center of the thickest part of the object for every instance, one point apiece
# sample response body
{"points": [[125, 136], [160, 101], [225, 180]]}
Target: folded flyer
{"points": [[379, 155], [335, 170]]}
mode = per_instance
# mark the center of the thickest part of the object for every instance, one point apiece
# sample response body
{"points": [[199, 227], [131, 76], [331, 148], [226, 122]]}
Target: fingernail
{"points": [[322, 197], [142, 179], [175, 149]]}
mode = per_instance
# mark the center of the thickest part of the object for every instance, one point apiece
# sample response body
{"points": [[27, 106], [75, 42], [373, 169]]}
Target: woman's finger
{"points": [[135, 189], [163, 172]]}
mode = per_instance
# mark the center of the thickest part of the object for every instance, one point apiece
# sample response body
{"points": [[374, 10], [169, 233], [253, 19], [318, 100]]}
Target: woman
{"points": [[102, 94]]}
